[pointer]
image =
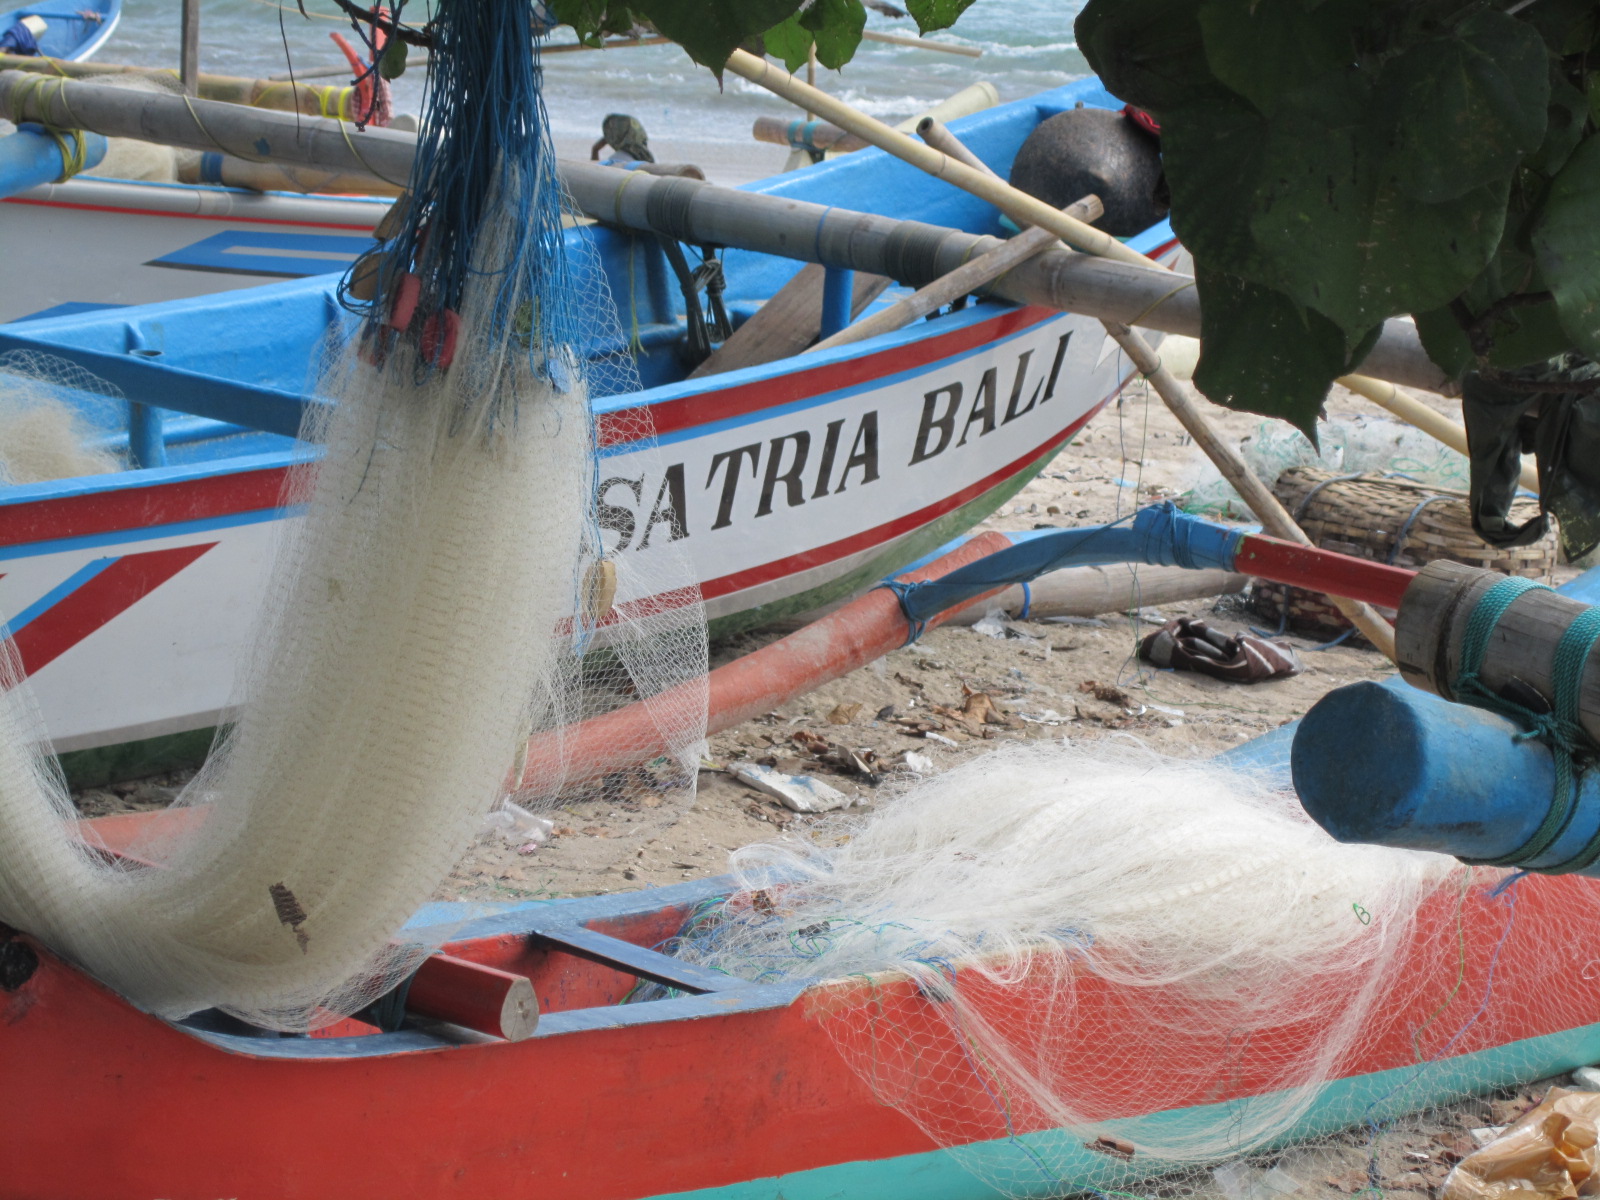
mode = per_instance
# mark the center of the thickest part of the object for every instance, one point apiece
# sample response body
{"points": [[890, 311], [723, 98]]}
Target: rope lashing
{"points": [[1560, 728], [70, 141], [915, 626], [74, 150]]}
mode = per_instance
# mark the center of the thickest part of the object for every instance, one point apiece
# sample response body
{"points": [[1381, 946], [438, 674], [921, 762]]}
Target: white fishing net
{"points": [[447, 595], [1350, 446], [1092, 968], [48, 428]]}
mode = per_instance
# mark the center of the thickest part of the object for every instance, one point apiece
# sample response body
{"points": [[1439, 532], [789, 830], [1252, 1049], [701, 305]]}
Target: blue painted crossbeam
{"points": [[267, 409]]}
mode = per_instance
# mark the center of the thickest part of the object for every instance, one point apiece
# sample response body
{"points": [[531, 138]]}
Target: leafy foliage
{"points": [[936, 14], [710, 30], [833, 26], [1334, 163]]}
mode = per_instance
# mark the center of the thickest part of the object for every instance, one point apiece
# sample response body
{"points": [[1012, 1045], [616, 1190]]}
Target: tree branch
{"points": [[406, 33]]}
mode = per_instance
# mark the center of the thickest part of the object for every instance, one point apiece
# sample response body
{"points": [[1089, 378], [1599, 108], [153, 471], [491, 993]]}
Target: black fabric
{"points": [[1560, 428]]}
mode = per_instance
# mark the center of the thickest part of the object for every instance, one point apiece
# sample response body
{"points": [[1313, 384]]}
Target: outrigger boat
{"points": [[73, 29], [790, 484], [727, 1089]]}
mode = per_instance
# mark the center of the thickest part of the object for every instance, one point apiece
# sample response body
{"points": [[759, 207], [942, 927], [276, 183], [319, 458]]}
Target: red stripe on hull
{"points": [[141, 507], [106, 596], [722, 404]]}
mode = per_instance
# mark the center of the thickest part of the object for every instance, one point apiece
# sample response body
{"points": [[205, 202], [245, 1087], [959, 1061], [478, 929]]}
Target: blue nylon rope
{"points": [[483, 151], [1159, 535]]}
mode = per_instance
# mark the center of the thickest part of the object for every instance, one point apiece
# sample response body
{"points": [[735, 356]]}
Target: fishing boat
{"points": [[73, 30], [790, 484], [723, 1089]]}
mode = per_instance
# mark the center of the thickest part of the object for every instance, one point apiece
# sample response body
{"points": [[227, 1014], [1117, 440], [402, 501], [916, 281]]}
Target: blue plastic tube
{"points": [[1393, 766], [30, 156]]}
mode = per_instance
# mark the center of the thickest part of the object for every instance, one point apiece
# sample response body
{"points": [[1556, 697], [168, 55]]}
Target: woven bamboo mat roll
{"points": [[1389, 520]]}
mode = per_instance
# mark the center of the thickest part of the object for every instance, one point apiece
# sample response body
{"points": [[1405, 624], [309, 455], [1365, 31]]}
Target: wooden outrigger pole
{"points": [[913, 252]]}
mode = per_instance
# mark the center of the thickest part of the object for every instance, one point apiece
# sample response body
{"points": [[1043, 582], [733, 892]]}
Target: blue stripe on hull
{"points": [[943, 1175]]}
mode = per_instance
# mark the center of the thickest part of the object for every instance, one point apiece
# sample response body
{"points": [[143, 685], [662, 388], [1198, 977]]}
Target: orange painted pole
{"points": [[864, 630]]}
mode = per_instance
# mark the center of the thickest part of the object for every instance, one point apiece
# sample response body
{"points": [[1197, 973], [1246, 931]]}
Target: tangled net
{"points": [[46, 426], [1100, 969], [431, 611]]}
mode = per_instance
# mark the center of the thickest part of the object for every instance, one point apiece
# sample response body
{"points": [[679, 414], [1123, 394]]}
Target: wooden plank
{"points": [[787, 323]]}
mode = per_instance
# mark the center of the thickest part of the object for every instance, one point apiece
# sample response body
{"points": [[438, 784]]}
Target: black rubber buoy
{"points": [[1099, 151]]}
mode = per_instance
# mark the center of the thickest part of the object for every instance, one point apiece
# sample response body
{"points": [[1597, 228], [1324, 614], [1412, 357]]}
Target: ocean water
{"points": [[1027, 47]]}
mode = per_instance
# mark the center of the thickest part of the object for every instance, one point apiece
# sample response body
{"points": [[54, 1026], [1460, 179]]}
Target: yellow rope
{"points": [[1159, 301], [188, 103], [55, 90], [73, 160], [69, 139], [344, 128], [616, 198]]}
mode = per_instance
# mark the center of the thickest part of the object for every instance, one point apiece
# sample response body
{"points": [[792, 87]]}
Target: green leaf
{"points": [[1303, 202], [837, 26], [711, 30], [936, 14], [1261, 352], [590, 19], [789, 41], [1522, 336], [1444, 340], [1519, 334], [1527, 335], [1569, 109], [1567, 26], [392, 63], [1262, 50], [1468, 106], [1566, 243], [1148, 52]]}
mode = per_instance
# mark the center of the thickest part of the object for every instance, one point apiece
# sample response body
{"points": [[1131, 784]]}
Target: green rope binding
{"points": [[1560, 729], [1572, 654]]}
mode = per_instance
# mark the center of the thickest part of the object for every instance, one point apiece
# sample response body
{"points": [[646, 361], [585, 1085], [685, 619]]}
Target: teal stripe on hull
{"points": [[941, 1175]]}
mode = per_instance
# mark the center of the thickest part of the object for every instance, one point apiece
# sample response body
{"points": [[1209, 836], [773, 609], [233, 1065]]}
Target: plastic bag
{"points": [[1549, 1153]]}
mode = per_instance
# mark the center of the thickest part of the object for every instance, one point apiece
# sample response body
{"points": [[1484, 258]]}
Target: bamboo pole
{"points": [[1111, 588], [912, 251], [311, 99], [1018, 205], [1267, 508], [920, 43], [1418, 415], [967, 278], [189, 47]]}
